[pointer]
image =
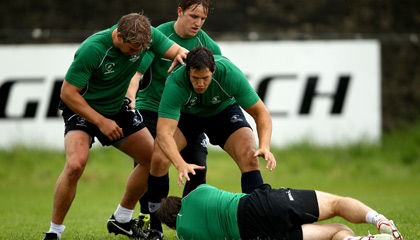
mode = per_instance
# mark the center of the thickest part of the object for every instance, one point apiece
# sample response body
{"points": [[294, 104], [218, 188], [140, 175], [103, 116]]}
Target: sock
{"points": [[372, 217], [144, 203], [195, 180], [57, 228], [122, 214], [158, 188], [251, 180]]}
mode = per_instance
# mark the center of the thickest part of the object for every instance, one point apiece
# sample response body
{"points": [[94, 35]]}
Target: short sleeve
{"points": [[85, 61]]}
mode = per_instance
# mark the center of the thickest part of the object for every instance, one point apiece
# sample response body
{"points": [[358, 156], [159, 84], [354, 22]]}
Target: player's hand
{"points": [[268, 156], [111, 129], [179, 58], [185, 169]]}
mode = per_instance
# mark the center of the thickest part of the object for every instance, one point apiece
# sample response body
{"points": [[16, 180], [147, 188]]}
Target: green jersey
{"points": [[208, 213], [105, 72], [149, 97], [228, 86]]}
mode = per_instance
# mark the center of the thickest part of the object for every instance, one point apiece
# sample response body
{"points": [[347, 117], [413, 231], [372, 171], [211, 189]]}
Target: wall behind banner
{"points": [[324, 91]]}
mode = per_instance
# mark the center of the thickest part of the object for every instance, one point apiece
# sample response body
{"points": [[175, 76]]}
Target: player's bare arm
{"points": [[132, 89], [166, 129], [262, 118], [70, 95], [176, 53]]}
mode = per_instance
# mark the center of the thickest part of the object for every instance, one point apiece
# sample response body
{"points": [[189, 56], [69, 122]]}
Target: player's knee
{"points": [[75, 167], [159, 164], [143, 163], [336, 203], [344, 228], [252, 162]]}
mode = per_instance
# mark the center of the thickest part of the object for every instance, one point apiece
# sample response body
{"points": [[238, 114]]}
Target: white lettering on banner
{"points": [[324, 91]]}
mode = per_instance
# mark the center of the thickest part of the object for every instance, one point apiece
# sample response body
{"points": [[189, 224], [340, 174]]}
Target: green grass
{"points": [[385, 177]]}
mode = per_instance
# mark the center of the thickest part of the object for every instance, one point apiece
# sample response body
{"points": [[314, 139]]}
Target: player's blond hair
{"points": [[135, 28]]}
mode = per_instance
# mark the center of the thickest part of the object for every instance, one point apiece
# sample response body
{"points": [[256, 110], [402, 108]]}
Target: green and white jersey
{"points": [[105, 72], [149, 96], [228, 86], [208, 213]]}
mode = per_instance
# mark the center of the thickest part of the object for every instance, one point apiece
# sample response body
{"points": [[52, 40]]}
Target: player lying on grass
{"points": [[265, 213]]}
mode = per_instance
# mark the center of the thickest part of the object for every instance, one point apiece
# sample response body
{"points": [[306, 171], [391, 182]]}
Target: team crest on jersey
{"points": [[109, 68], [216, 100]]}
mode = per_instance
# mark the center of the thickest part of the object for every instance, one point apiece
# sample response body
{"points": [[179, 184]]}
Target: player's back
{"points": [[208, 213]]}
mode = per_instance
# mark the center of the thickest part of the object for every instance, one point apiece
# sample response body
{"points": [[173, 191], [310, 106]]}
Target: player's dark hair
{"points": [[135, 28], [200, 58], [168, 210], [185, 4]]}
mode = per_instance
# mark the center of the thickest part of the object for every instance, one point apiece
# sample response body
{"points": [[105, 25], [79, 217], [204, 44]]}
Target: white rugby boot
{"points": [[387, 226], [371, 237]]}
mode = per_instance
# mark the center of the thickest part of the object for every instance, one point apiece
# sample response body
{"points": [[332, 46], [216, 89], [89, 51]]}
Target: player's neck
{"points": [[179, 30]]}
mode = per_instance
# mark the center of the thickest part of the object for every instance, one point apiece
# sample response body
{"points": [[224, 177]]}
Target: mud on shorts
{"points": [[276, 213], [218, 127], [128, 119]]}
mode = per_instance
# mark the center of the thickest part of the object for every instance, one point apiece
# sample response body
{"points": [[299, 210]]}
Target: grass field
{"points": [[386, 178]]}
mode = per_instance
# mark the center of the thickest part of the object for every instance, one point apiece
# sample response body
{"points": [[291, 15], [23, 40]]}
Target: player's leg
{"points": [[336, 232], [138, 144], [158, 184], [331, 205], [325, 231], [77, 145], [241, 147], [79, 135], [196, 153], [354, 211], [150, 120], [230, 130]]}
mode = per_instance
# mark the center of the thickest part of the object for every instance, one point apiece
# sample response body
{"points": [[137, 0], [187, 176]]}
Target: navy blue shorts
{"points": [[128, 119], [196, 150], [276, 213], [218, 127]]}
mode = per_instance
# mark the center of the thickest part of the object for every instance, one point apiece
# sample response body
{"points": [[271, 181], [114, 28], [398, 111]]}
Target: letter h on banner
{"points": [[338, 97]]}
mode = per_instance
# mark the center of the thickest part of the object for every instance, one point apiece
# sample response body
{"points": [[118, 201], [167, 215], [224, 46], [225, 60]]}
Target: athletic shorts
{"points": [[128, 119], [276, 213], [218, 127], [196, 150]]}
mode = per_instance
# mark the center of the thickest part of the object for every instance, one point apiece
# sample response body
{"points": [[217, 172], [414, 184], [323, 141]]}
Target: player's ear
{"points": [[214, 69], [179, 10], [119, 36]]}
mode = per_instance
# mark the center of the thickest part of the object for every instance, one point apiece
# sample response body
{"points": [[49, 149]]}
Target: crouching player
{"points": [[266, 213]]}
